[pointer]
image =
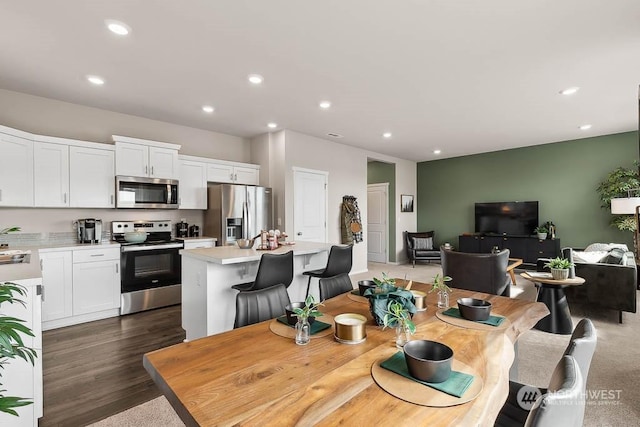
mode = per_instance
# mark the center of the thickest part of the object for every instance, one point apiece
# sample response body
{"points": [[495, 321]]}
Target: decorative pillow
{"points": [[591, 257], [615, 256], [605, 247], [423, 243]]}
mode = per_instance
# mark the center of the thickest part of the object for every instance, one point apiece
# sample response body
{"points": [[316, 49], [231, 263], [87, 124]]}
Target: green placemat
{"points": [[456, 385], [491, 321], [315, 327]]}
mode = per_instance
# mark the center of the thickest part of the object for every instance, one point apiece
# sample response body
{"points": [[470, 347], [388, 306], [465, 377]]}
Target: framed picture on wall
{"points": [[406, 203]]}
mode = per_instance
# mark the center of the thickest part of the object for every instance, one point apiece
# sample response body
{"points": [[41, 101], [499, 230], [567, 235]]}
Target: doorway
{"points": [[310, 205], [377, 222]]}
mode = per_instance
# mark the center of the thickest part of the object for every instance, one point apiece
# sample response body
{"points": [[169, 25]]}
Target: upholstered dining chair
{"points": [[477, 272], [260, 305], [340, 261], [336, 285], [273, 269], [581, 347]]}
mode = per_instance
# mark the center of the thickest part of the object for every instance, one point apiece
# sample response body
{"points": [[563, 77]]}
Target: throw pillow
{"points": [[615, 256], [422, 243], [589, 257]]}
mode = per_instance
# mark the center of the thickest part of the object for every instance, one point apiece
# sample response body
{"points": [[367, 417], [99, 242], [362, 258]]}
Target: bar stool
{"points": [[273, 269], [260, 305], [334, 286], [339, 262]]}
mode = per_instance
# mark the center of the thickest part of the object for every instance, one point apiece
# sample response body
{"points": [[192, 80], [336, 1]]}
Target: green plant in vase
{"points": [[303, 329], [384, 292], [559, 268], [397, 316], [11, 344], [440, 285]]}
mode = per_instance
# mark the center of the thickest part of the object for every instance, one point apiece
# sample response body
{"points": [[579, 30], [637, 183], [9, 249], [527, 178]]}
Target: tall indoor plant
{"points": [[11, 344]]}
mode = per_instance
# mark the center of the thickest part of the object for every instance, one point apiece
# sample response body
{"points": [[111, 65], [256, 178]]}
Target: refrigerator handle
{"points": [[245, 221]]}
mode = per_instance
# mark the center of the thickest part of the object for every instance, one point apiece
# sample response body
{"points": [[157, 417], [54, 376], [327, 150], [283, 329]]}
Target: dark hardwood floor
{"points": [[94, 370]]}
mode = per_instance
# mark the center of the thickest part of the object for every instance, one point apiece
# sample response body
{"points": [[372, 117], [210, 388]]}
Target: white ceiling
{"points": [[465, 76]]}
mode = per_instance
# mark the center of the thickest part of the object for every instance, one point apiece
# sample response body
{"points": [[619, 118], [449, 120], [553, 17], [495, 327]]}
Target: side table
{"points": [[551, 293]]}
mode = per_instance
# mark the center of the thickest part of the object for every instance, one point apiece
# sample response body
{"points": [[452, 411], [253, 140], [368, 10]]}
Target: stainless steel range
{"points": [[150, 271]]}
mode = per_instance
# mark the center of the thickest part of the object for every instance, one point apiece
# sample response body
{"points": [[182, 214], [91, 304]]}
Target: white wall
{"points": [[347, 168]]}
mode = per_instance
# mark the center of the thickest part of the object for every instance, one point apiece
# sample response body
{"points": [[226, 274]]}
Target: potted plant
{"points": [[440, 285], [303, 329], [384, 291], [559, 268], [397, 316], [541, 231], [11, 344]]}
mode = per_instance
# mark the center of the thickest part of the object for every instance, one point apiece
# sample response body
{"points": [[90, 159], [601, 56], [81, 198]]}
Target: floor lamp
{"points": [[629, 206]]}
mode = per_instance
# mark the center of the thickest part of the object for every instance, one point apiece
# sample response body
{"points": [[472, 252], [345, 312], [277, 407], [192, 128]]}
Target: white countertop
{"points": [[76, 246], [192, 239], [21, 271], [235, 255]]}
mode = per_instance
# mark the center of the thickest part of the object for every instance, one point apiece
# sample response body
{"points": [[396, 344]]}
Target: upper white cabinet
{"points": [[51, 174], [228, 172], [139, 157], [16, 169], [91, 177], [192, 190]]}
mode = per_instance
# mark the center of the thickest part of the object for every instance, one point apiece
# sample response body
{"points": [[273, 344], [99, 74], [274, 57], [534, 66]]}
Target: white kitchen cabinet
{"points": [[57, 285], [19, 377], [234, 174], [16, 170], [192, 185], [91, 177], [137, 157], [51, 174], [96, 280]]}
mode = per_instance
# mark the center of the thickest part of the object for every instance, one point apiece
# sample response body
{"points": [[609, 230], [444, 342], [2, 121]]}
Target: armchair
{"points": [[420, 247], [477, 272]]}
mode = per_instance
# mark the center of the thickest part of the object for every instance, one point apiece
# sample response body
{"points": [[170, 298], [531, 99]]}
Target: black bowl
{"points": [[428, 361], [474, 309], [290, 314], [363, 285]]}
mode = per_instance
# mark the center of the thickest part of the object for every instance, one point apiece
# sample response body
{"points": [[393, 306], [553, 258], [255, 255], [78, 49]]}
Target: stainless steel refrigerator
{"points": [[237, 212]]}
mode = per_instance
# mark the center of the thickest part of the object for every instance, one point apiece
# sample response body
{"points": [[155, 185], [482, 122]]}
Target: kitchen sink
{"points": [[15, 257]]}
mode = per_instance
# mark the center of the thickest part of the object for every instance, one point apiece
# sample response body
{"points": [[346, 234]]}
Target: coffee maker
{"points": [[194, 231], [89, 230], [182, 229]]}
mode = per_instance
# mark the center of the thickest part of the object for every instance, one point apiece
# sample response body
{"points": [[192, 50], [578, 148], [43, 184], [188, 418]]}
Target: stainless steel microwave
{"points": [[148, 193]]}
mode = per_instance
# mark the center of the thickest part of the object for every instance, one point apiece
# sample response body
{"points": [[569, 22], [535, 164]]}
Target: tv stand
{"points": [[527, 248]]}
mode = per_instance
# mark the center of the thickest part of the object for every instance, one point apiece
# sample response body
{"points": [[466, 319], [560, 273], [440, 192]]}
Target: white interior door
{"points": [[377, 222], [310, 205]]}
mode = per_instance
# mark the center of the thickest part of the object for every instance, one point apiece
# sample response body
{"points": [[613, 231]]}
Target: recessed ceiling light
{"points": [[208, 109], [117, 27], [96, 80], [585, 127], [325, 104], [437, 151], [569, 90], [272, 125], [255, 79], [386, 135]]}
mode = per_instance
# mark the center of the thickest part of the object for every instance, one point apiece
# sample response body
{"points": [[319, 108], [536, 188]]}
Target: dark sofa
{"points": [[420, 246], [610, 286]]}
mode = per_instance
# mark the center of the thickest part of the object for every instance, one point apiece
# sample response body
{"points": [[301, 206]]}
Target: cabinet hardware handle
{"points": [[235, 176], [231, 176], [0, 194], [65, 197], [40, 265], [112, 199], [146, 170], [40, 291], [117, 269], [96, 255], [151, 170]]}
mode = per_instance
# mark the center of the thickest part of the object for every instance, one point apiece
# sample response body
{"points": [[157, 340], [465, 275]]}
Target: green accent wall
{"points": [[379, 173], [562, 177]]}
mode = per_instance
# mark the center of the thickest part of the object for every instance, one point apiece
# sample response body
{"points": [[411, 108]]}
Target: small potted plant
{"points": [[303, 329], [385, 291], [541, 231], [559, 268], [397, 316], [440, 285]]}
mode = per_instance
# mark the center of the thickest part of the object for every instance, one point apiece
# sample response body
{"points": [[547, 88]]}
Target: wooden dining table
{"points": [[252, 376]]}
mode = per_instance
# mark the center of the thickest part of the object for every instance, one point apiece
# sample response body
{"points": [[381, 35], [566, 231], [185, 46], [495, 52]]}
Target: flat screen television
{"points": [[512, 218]]}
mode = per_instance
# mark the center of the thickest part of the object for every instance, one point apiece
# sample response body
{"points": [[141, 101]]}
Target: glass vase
{"points": [[443, 299], [403, 335], [303, 331]]}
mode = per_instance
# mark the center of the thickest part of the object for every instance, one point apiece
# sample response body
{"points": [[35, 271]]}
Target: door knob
{"points": [[299, 233]]}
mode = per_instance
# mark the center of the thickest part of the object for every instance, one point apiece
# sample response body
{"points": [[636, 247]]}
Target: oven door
{"points": [[150, 266]]}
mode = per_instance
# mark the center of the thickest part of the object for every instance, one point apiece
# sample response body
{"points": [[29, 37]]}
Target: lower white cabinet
{"points": [[80, 285], [199, 243], [19, 377]]}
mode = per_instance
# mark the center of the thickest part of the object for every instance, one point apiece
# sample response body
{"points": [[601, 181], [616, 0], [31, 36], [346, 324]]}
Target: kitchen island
{"points": [[209, 303]]}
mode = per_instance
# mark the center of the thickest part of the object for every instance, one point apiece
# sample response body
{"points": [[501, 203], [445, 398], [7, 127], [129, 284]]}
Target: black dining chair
{"points": [[581, 347], [273, 269], [260, 305], [340, 261], [336, 285]]}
